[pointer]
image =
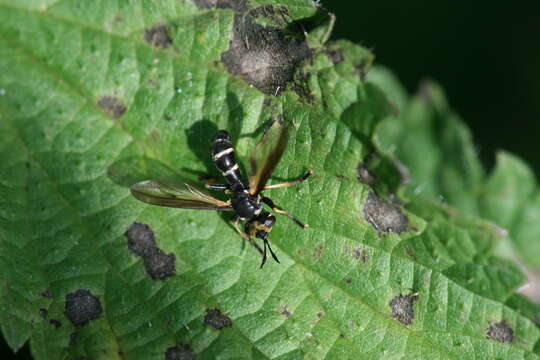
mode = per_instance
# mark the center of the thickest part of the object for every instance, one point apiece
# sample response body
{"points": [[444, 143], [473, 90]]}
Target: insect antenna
{"points": [[267, 245]]}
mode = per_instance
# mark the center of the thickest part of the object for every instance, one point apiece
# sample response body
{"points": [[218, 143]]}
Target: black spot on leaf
{"points": [[56, 323], [141, 242], [216, 319], [402, 308], [112, 106], [384, 216], [348, 280], [501, 332], [158, 36], [320, 314], [46, 294], [82, 306], [336, 55], [181, 352], [159, 265], [363, 175], [264, 56], [43, 313]]}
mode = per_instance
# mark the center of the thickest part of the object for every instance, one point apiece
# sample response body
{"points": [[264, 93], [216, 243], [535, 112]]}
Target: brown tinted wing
{"points": [[177, 195], [266, 156]]}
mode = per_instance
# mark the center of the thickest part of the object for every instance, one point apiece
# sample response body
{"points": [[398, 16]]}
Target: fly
{"points": [[246, 200]]}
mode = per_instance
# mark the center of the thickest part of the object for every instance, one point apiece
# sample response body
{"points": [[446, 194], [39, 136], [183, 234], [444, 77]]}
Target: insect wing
{"points": [[266, 156], [177, 195]]}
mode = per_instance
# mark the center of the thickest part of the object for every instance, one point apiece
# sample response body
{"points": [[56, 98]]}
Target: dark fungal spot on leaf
{"points": [[383, 215], [216, 319], [158, 36], [43, 313], [348, 280], [180, 352], [56, 323], [81, 306], [141, 242], [363, 175], [46, 294], [501, 332], [112, 106], [336, 55], [264, 56], [159, 265], [320, 314], [402, 308]]}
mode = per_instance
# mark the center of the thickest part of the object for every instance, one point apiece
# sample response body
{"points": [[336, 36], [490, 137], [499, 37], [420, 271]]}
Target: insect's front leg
{"points": [[236, 224], [274, 207]]}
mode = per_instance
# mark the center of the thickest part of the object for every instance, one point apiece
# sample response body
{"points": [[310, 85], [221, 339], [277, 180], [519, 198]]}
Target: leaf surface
{"points": [[99, 95]]}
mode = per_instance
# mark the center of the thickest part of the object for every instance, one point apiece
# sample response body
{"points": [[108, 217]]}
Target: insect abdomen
{"points": [[224, 159]]}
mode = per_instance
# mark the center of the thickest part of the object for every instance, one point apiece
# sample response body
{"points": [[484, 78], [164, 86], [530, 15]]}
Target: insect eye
{"points": [[270, 221]]}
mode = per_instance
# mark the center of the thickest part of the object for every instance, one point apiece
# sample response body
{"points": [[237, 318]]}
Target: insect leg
{"points": [[291, 183], [274, 207], [218, 187], [235, 223]]}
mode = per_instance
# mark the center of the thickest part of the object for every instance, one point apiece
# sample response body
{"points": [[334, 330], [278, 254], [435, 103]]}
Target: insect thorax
{"points": [[245, 205]]}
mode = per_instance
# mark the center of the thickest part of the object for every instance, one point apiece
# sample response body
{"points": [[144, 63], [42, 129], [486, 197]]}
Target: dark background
{"points": [[486, 56]]}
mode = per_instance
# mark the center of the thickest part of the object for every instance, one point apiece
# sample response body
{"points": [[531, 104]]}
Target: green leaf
{"points": [[99, 95]]}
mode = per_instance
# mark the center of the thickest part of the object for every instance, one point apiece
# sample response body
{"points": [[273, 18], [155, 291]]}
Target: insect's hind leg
{"points": [[274, 207], [291, 183], [235, 223]]}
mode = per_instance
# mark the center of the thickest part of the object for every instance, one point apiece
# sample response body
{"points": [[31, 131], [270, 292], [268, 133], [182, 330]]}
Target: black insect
{"points": [[246, 200]]}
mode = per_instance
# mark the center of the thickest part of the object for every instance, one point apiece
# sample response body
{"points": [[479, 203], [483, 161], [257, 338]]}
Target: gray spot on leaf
{"points": [[112, 106], [384, 216], [159, 265], [216, 319], [402, 308], [264, 56], [82, 306], [158, 36], [141, 242], [501, 332]]}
